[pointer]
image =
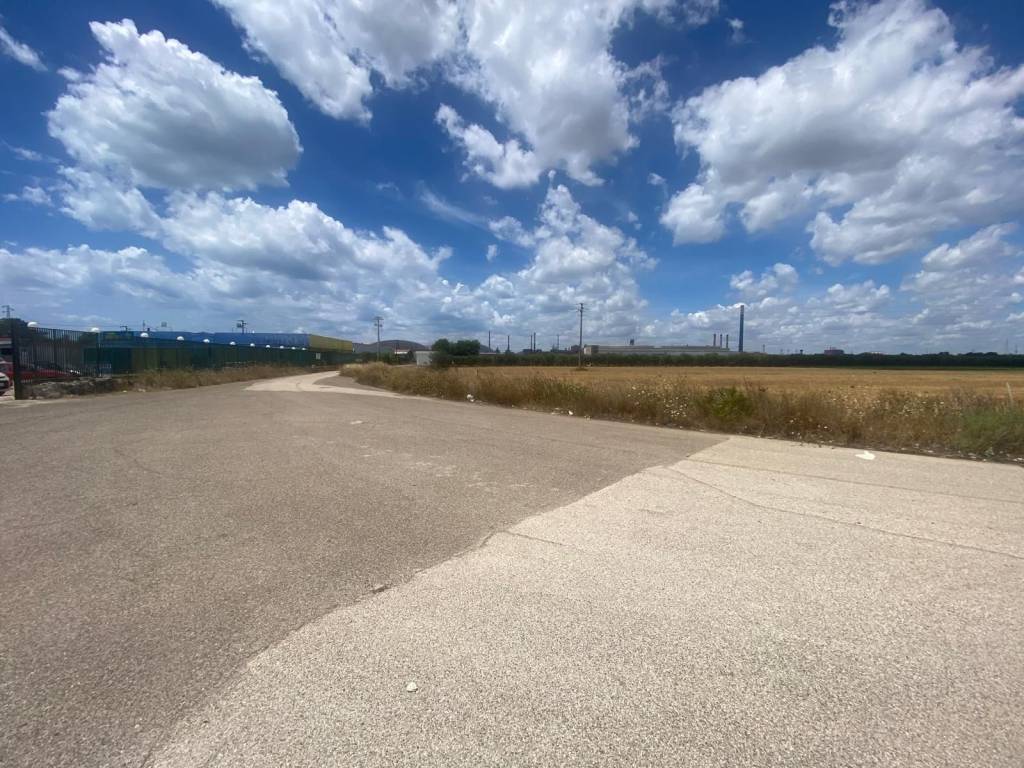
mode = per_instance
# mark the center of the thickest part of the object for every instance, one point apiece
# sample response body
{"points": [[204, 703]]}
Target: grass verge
{"points": [[954, 423], [187, 378]]}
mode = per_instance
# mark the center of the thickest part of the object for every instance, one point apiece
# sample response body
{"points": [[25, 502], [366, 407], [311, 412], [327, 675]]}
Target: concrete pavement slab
{"points": [[676, 617]]}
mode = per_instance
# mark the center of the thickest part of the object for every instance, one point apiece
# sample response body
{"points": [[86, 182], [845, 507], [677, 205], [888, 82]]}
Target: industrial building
{"points": [[132, 351], [309, 341], [719, 346], [642, 349]]}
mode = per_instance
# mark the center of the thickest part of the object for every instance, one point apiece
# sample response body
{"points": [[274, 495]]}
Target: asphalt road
{"points": [[151, 543], [188, 580]]}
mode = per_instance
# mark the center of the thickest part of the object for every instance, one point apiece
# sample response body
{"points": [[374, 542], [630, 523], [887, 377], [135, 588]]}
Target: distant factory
{"points": [[719, 346], [645, 349]]}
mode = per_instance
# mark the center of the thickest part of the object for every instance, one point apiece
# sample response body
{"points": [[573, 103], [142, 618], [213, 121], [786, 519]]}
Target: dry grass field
{"points": [[989, 382], [955, 413], [187, 378]]}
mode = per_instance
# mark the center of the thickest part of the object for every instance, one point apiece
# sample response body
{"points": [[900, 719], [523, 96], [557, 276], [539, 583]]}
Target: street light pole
{"points": [[19, 387], [96, 330], [580, 310]]}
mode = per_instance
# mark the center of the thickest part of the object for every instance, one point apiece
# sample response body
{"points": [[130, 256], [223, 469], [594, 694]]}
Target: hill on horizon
{"points": [[391, 344]]}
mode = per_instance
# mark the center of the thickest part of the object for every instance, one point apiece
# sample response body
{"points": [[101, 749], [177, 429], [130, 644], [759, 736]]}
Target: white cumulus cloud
{"points": [[884, 140], [546, 68], [103, 202], [30, 193], [779, 277], [983, 247], [158, 114], [505, 165], [329, 48]]}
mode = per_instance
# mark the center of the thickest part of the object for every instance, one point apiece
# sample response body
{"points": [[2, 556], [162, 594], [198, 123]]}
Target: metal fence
{"points": [[46, 354], [32, 354]]}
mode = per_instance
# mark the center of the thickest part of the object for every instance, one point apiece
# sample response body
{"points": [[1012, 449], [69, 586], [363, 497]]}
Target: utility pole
{"points": [[7, 311], [742, 310], [377, 322], [581, 334], [19, 388], [241, 325]]}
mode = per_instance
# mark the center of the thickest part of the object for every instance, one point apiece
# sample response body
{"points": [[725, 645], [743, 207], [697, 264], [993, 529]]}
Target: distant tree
{"points": [[460, 348], [466, 348]]}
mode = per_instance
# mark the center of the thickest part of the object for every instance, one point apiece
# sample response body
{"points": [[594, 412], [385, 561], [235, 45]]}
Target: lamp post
{"points": [[145, 352], [581, 334], [97, 332], [19, 387]]}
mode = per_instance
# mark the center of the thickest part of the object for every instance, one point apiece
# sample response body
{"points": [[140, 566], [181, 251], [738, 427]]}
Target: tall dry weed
{"points": [[953, 423]]}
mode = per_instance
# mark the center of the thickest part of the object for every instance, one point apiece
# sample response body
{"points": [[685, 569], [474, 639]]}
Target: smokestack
{"points": [[740, 347], [714, 339], [727, 341]]}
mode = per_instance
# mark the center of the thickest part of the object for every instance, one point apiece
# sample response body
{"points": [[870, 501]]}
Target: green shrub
{"points": [[992, 432], [727, 405]]}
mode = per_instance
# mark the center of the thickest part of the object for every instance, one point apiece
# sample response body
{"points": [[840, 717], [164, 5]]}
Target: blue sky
{"points": [[849, 171]]}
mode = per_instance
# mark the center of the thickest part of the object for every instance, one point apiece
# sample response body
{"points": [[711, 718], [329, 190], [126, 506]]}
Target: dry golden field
{"points": [[989, 382], [955, 413]]}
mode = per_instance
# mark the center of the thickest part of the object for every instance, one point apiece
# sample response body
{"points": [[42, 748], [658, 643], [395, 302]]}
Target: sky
{"points": [[851, 172]]}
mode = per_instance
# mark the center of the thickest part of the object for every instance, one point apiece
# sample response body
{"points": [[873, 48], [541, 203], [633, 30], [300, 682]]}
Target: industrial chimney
{"points": [[727, 341], [740, 347]]}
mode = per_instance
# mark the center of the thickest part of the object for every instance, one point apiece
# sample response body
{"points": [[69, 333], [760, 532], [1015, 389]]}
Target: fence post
{"points": [[19, 386]]}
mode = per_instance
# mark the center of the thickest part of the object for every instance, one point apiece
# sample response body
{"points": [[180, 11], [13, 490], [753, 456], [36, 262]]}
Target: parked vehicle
{"points": [[5, 383], [41, 372]]}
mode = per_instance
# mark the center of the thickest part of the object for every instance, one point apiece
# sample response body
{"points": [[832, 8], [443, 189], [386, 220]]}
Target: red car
{"points": [[31, 372]]}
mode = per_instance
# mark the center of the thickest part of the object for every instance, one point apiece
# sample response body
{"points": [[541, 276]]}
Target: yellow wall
{"points": [[327, 344]]}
